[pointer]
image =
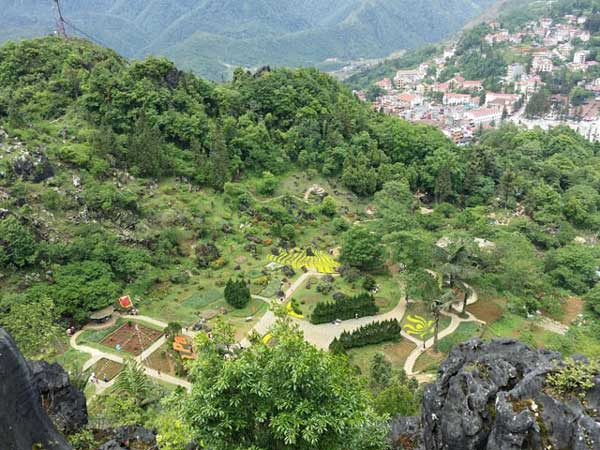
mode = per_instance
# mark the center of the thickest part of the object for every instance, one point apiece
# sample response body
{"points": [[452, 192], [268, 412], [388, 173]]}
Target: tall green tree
{"points": [[17, 244], [237, 293], [456, 263], [145, 149], [362, 249], [286, 396]]}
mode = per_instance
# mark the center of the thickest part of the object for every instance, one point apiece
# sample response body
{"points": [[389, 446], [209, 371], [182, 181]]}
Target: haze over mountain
{"points": [[212, 36]]}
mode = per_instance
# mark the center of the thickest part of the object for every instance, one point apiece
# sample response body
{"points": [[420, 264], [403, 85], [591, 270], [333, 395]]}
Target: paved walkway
{"points": [[97, 354], [323, 335], [422, 347], [268, 320]]}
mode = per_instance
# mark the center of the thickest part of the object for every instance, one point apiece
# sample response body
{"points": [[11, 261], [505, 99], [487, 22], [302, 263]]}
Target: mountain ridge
{"points": [[208, 37]]}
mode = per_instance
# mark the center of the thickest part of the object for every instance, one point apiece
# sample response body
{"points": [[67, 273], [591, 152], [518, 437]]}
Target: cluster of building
{"points": [[460, 107]]}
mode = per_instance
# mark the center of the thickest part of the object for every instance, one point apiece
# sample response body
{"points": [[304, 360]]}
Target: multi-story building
{"points": [[484, 116], [407, 77], [515, 71], [580, 57], [542, 64]]}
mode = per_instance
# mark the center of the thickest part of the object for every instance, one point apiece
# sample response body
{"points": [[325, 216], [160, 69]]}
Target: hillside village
{"points": [[546, 57]]}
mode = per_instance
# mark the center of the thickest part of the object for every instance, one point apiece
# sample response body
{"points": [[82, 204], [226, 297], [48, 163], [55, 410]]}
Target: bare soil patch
{"points": [[487, 310], [572, 308], [106, 370], [133, 339]]}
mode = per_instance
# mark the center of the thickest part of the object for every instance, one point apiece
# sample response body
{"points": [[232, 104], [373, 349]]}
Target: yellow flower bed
{"points": [[293, 313], [321, 261]]}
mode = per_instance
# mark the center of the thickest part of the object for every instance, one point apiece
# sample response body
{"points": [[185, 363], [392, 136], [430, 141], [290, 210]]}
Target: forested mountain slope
{"points": [[120, 177], [209, 36]]}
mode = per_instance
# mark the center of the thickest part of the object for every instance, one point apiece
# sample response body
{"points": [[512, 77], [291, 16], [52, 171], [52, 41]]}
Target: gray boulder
{"points": [[65, 404], [492, 396], [24, 423]]}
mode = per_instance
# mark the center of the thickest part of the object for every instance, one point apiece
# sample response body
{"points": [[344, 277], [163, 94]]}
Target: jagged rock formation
{"points": [[133, 436], [64, 403], [492, 396], [23, 422]]}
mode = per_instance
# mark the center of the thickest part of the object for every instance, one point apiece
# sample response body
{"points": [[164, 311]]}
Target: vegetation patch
{"points": [[132, 338], [317, 260], [373, 333], [345, 308]]}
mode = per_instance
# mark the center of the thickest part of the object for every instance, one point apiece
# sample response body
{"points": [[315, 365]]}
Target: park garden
{"points": [[260, 216]]}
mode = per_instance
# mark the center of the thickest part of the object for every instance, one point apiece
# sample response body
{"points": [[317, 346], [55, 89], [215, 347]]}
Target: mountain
{"points": [[507, 11], [211, 36]]}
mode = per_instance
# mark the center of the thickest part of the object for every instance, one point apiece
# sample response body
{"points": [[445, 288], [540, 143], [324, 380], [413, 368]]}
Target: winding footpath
{"points": [[319, 335], [97, 355], [423, 346]]}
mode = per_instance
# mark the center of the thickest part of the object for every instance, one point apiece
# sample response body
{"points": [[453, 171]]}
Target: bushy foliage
{"points": [[360, 305], [361, 249], [237, 293], [573, 378], [289, 395], [17, 244], [371, 334]]}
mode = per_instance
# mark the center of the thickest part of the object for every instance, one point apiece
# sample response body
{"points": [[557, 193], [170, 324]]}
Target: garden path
{"points": [[423, 346], [97, 354]]}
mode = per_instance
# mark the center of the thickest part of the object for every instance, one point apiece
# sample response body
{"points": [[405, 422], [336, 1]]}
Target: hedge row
{"points": [[360, 305], [373, 333]]}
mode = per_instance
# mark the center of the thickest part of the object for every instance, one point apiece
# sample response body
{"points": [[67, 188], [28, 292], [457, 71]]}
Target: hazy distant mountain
{"points": [[210, 36]]}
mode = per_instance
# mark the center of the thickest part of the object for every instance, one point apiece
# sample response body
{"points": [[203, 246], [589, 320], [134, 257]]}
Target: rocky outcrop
{"points": [[64, 403], [134, 436], [493, 396], [23, 422]]}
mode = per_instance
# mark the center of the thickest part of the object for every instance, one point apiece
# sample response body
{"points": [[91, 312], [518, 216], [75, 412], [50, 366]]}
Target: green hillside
{"points": [[133, 177], [210, 36]]}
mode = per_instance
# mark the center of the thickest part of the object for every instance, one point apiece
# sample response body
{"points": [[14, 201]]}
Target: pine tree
{"points": [[237, 293], [218, 160]]}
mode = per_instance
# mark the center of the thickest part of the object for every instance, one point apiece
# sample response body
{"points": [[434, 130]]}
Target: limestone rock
{"points": [[492, 396], [23, 421], [64, 403]]}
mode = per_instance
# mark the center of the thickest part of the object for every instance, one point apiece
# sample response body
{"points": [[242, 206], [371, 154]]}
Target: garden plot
{"points": [[132, 338], [320, 261]]}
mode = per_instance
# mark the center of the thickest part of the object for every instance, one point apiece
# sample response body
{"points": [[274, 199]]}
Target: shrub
{"points": [[371, 334], [328, 207], [324, 287], [348, 308], [340, 225], [267, 185], [237, 293], [573, 378], [369, 283]]}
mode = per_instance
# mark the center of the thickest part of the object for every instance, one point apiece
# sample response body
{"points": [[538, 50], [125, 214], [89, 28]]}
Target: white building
{"points": [[515, 71], [580, 57], [484, 116], [542, 64]]}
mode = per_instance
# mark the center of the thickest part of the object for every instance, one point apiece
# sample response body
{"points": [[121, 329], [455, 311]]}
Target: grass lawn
{"points": [[395, 352], [488, 309], [161, 360], [429, 361], [96, 336], [71, 360], [105, 369], [387, 298], [464, 332]]}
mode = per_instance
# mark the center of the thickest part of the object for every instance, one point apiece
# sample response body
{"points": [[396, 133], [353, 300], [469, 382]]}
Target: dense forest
{"points": [[211, 37], [135, 176]]}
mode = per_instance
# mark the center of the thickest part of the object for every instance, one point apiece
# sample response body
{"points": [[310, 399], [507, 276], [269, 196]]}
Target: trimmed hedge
{"points": [[373, 333], [360, 305]]}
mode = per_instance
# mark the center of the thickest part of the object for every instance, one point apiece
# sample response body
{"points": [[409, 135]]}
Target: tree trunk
{"points": [[436, 332], [466, 299]]}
